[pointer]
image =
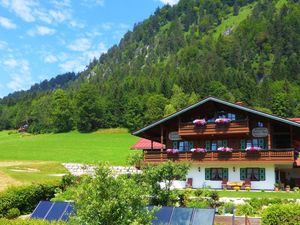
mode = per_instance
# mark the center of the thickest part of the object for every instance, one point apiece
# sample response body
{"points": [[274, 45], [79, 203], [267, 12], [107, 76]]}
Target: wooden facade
{"points": [[278, 138]]}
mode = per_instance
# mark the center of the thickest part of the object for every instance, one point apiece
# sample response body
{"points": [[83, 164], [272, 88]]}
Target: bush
{"points": [[25, 198], [29, 222], [68, 180], [227, 207], [13, 213], [198, 204], [244, 209], [287, 214]]}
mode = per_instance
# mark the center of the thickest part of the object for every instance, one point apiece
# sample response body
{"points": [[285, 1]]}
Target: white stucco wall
{"points": [[199, 177]]}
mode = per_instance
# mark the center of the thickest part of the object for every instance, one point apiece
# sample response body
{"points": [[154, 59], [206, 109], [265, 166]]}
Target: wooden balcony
{"points": [[237, 127], [280, 155]]}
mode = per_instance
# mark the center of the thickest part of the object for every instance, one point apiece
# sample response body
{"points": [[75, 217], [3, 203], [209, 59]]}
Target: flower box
{"points": [[253, 149], [225, 149], [199, 122], [172, 151], [222, 121], [196, 150]]}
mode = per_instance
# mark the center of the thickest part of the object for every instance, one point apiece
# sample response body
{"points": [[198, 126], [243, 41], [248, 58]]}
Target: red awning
{"points": [[146, 144]]}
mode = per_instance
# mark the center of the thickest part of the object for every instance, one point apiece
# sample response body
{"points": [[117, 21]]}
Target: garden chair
{"points": [[224, 183], [189, 183]]}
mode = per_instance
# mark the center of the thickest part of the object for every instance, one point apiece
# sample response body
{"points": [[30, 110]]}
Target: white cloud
{"points": [[91, 3], [6, 23], [80, 45], [31, 10], [107, 26], [50, 59], [170, 2], [72, 65], [21, 77], [95, 52], [11, 63], [3, 45], [77, 24], [41, 30], [23, 9]]}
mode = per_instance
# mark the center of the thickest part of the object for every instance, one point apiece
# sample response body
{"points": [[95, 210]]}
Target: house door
{"points": [[282, 177]]}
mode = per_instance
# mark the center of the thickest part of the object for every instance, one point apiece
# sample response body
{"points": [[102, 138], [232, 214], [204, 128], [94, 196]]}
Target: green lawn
{"points": [[111, 145], [258, 194]]}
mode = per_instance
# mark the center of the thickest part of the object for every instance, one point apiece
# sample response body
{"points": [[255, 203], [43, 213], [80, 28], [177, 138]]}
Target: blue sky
{"points": [[40, 39]]}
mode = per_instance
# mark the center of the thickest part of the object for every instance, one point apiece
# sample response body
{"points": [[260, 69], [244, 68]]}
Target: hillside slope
{"points": [[236, 50]]}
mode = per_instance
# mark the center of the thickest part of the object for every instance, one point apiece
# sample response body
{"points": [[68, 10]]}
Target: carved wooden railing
{"points": [[237, 127], [276, 155]]}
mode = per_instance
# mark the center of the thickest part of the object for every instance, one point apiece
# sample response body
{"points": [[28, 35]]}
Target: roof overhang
{"points": [[213, 99]]}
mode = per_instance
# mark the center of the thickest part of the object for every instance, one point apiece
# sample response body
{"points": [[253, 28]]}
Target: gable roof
{"points": [[143, 143], [214, 99]]}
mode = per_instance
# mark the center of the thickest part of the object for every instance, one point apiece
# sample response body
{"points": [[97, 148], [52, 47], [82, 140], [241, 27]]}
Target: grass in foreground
{"points": [[257, 194], [111, 145]]}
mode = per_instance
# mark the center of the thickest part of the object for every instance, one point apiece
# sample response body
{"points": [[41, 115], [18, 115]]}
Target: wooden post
{"points": [[151, 145], [161, 142], [269, 136], [291, 136]]}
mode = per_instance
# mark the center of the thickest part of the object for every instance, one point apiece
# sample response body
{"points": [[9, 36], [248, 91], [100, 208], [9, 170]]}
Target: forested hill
{"points": [[237, 50]]}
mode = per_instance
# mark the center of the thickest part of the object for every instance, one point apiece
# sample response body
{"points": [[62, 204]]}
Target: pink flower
{"points": [[172, 151], [199, 122], [225, 149], [198, 150], [222, 121], [253, 149]]}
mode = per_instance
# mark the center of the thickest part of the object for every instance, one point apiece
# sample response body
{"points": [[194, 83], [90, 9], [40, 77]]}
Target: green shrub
{"points": [[287, 214], [68, 180], [227, 207], [25, 198], [198, 192], [198, 204], [13, 213], [29, 222], [244, 209]]}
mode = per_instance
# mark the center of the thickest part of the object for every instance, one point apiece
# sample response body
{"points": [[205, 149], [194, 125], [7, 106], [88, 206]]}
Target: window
{"points": [[231, 116], [255, 142], [254, 174], [260, 124], [214, 145], [183, 145], [216, 173]]}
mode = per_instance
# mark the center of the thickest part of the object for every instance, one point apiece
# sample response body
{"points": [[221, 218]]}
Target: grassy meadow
{"points": [[111, 145], [27, 158]]}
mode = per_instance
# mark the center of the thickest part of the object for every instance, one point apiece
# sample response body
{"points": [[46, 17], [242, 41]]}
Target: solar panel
{"points": [[203, 217], [56, 211], [163, 216], [69, 210], [181, 216], [41, 210]]}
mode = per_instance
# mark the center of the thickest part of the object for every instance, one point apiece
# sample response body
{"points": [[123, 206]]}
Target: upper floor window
{"points": [[260, 124], [255, 142], [215, 144], [183, 145]]}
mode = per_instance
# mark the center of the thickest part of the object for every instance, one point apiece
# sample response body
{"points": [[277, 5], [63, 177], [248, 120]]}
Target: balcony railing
{"points": [[274, 155], [236, 127]]}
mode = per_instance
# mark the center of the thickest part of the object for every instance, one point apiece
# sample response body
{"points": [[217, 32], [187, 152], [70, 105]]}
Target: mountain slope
{"points": [[236, 50]]}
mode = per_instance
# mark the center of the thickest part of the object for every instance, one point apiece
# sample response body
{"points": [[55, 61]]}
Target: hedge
{"points": [[25, 198], [278, 214], [28, 222]]}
